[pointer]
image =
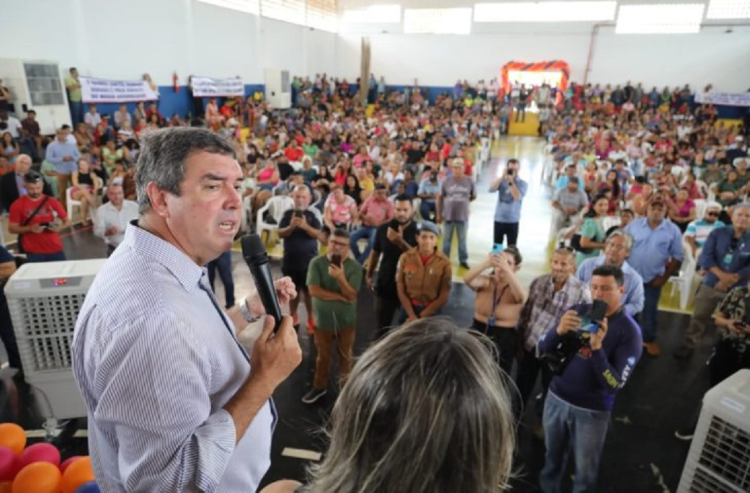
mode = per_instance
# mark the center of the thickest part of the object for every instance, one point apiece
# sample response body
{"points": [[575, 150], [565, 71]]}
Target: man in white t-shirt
{"points": [[92, 118], [13, 125]]}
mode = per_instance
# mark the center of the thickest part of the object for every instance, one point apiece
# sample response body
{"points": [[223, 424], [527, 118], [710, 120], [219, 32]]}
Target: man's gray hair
{"points": [[163, 155], [626, 236]]}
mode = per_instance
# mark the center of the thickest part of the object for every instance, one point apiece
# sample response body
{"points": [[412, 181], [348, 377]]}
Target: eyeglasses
{"points": [[714, 214]]}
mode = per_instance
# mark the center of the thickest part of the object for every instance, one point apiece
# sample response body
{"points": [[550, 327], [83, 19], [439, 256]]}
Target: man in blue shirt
{"points": [[581, 396], [428, 192], [656, 256], [570, 175], [511, 190], [726, 258], [617, 249], [64, 156]]}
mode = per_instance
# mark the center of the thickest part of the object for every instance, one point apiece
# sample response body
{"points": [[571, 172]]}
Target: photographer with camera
{"points": [[510, 192], [593, 351]]}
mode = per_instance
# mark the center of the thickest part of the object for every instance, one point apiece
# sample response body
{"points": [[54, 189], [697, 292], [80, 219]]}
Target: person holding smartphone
{"points": [[511, 190], [580, 399]]}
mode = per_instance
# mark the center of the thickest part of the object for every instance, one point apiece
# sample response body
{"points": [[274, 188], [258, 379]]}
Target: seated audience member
{"points": [[428, 192], [568, 204], [729, 189], [339, 210], [712, 175], [375, 211], [626, 217], [640, 201], [500, 298], [423, 276], [413, 382], [334, 280], [697, 231], [581, 396], [122, 115], [411, 188], [39, 219], [353, 189], [85, 187], [592, 231], [681, 209], [8, 336], [549, 296], [92, 118], [571, 174], [113, 217], [12, 184], [616, 250]]}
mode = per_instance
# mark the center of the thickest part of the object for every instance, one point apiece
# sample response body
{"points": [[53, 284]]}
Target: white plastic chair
{"points": [[276, 207], [700, 208], [684, 280], [609, 221], [72, 203]]}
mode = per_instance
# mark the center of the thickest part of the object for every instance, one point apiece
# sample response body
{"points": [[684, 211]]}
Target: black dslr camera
{"points": [[571, 342]]}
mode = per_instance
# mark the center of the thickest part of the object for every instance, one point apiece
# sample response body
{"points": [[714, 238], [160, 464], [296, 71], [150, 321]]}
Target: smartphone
{"points": [[510, 172], [45, 225], [336, 259], [394, 224], [298, 213], [596, 314], [498, 248]]}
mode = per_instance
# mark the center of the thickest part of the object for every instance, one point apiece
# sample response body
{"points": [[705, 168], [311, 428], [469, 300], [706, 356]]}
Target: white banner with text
{"points": [[207, 87], [723, 98], [115, 91]]}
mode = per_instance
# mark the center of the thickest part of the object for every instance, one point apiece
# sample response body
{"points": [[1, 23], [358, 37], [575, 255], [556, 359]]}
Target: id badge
{"points": [[491, 321], [728, 259]]}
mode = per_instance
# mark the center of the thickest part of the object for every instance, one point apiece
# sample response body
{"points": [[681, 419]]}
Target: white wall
{"points": [[710, 56], [124, 39]]}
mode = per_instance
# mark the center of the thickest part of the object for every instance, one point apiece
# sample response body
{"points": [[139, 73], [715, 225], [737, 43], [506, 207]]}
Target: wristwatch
{"points": [[245, 311]]}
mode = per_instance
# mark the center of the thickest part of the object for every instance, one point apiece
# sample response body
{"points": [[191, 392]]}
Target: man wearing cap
{"points": [[697, 231], [423, 277], [726, 258], [656, 256], [38, 218], [12, 185], [568, 204]]}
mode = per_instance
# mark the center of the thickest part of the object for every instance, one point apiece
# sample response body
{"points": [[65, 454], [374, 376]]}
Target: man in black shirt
{"points": [[391, 240], [301, 229]]}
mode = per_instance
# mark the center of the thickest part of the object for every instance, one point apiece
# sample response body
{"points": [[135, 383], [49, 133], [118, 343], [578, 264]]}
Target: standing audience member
{"points": [[222, 263], [375, 211], [340, 210], [7, 335], [568, 204], [656, 256], [453, 209], [85, 185], [64, 156], [38, 218], [500, 298], [300, 228], [511, 190], [392, 239], [333, 280], [429, 190], [423, 277], [113, 217], [581, 396]]}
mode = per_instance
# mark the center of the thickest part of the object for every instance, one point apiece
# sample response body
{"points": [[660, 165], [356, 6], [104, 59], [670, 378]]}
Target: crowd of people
{"points": [[370, 191]]}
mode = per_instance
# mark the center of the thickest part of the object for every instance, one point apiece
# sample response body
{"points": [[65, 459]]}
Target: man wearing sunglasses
{"points": [[697, 231], [726, 258]]}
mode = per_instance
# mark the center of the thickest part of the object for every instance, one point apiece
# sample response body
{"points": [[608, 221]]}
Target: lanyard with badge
{"points": [[732, 248], [495, 301]]}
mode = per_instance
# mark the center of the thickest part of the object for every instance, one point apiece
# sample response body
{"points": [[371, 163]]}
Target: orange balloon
{"points": [[39, 477], [78, 473], [13, 437], [6, 487]]}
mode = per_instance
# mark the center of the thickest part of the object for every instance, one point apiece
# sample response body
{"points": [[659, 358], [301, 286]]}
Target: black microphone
{"points": [[255, 255]]}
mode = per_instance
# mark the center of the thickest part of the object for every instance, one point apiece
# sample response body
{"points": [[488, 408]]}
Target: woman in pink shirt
{"points": [[340, 210]]}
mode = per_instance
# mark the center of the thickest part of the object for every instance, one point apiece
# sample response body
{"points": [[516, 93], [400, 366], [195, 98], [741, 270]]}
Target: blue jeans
{"points": [[427, 210], [45, 257], [460, 228], [650, 312], [76, 112], [402, 315], [362, 232], [573, 428], [224, 265]]}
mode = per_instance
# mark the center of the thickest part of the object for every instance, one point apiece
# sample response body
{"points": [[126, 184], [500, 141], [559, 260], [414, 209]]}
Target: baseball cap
{"points": [[427, 226], [32, 177]]}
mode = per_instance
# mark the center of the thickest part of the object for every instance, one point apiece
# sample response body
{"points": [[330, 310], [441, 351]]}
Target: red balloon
{"points": [[40, 452], [10, 464], [69, 461], [39, 477]]}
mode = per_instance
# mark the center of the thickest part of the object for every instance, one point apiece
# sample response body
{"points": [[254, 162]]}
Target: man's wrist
{"points": [[245, 311]]}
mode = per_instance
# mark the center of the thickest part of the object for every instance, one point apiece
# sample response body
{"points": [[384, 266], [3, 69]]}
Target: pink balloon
{"points": [[40, 452], [10, 464], [69, 461]]}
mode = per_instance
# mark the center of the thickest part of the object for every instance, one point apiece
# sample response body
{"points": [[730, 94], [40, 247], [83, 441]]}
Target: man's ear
{"points": [[158, 199]]}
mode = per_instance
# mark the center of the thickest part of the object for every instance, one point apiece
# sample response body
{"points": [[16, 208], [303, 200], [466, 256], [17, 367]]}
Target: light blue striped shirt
{"points": [[156, 361], [633, 300]]}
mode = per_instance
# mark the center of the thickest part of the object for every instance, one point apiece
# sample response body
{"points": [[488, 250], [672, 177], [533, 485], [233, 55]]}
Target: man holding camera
{"points": [[594, 353], [510, 192], [333, 280], [38, 218]]}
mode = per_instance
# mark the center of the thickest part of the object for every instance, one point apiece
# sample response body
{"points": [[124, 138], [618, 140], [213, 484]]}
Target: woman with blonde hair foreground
{"points": [[425, 410]]}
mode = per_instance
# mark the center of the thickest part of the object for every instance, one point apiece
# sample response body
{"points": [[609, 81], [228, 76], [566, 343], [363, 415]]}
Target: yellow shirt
{"points": [[367, 184]]}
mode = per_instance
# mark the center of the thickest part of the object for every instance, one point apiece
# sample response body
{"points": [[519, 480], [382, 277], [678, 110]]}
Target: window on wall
{"points": [[659, 19], [284, 10], [249, 6], [321, 14], [437, 21], [374, 14], [544, 11], [728, 9]]}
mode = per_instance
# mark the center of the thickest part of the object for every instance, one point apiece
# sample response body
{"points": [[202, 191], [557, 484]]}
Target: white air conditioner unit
{"points": [[44, 300], [278, 88], [719, 458], [37, 85]]}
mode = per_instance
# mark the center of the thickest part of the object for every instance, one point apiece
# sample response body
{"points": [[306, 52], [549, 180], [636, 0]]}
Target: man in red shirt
{"points": [[38, 218], [293, 153]]}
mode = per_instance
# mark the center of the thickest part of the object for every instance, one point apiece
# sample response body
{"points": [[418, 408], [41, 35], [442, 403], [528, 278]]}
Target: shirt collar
{"points": [[149, 245]]}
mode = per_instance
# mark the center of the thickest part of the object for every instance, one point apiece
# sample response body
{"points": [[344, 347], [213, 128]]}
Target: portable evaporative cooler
{"points": [[719, 458], [44, 301]]}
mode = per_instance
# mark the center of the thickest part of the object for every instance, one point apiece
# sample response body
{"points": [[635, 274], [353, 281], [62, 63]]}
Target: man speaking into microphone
{"points": [[174, 402]]}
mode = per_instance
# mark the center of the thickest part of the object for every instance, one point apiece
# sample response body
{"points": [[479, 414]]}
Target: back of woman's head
{"points": [[425, 410]]}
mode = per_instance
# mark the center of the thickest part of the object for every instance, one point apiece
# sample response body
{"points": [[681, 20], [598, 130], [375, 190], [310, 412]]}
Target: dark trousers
{"points": [[427, 210], [504, 339], [726, 361], [509, 230], [528, 370], [45, 257], [7, 334], [385, 309], [224, 265]]}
